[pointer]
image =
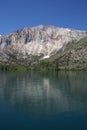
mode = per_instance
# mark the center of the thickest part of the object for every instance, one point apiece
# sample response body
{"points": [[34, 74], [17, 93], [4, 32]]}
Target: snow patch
{"points": [[45, 57], [0, 35]]}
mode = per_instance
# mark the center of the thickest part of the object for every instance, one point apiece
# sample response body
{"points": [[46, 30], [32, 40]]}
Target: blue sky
{"points": [[16, 14]]}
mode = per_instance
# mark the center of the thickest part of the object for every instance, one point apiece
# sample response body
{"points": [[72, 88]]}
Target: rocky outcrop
{"points": [[29, 45], [74, 56]]}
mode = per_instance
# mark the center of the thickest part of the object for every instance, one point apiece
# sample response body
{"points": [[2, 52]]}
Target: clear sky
{"points": [[16, 14]]}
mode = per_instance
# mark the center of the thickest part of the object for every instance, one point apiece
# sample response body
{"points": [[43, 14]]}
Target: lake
{"points": [[43, 101]]}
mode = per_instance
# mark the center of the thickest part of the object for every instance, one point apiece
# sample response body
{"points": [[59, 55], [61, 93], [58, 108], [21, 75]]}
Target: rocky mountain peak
{"points": [[41, 40]]}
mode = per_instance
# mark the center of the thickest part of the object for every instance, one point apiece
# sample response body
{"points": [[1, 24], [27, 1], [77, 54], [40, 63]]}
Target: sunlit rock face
{"points": [[43, 41]]}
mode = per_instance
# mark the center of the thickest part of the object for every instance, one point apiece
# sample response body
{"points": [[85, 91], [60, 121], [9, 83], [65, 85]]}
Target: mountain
{"points": [[44, 45], [74, 56]]}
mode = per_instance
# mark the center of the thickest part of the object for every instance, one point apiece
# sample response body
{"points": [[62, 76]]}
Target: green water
{"points": [[43, 101]]}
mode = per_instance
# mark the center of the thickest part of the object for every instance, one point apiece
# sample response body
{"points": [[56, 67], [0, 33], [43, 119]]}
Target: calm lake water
{"points": [[43, 101]]}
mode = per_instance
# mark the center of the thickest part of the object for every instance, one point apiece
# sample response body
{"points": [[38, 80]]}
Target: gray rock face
{"points": [[41, 41]]}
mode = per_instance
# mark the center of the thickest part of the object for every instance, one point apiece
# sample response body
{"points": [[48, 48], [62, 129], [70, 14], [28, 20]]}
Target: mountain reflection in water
{"points": [[38, 93]]}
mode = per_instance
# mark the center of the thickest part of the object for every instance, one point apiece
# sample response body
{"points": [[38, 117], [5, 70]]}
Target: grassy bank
{"points": [[43, 67]]}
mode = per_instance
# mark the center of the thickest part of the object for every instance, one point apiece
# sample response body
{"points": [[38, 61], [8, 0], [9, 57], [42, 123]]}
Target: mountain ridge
{"points": [[32, 45]]}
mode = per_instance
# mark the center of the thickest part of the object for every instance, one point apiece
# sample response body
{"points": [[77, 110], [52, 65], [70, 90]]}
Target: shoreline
{"points": [[21, 68]]}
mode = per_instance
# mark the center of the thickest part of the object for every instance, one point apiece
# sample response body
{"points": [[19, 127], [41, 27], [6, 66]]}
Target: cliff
{"points": [[44, 44]]}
